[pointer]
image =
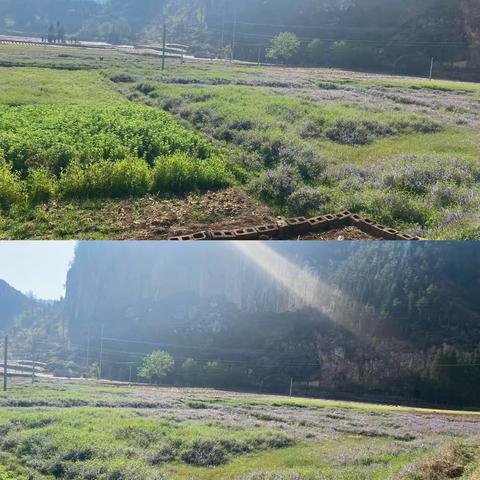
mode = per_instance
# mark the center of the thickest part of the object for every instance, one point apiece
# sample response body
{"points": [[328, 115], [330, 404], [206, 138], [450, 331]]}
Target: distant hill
{"points": [[12, 304], [22, 316], [35, 16], [384, 33]]}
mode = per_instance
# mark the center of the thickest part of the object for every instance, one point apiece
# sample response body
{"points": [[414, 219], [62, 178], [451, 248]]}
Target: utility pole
{"points": [[101, 351], [234, 34], [88, 348], [259, 54], [5, 363], [33, 360], [291, 387], [164, 45], [130, 376], [431, 68]]}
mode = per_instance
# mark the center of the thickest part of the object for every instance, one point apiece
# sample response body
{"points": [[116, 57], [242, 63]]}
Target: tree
{"points": [[51, 34], [342, 54], [93, 371], [156, 366], [283, 47], [190, 371], [228, 52], [315, 51], [61, 34]]}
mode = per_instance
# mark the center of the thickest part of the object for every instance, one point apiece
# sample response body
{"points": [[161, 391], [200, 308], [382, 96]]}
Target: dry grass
{"points": [[452, 462]]}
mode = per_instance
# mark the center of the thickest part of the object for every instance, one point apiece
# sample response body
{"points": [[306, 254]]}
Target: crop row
{"points": [[81, 152], [129, 177]]}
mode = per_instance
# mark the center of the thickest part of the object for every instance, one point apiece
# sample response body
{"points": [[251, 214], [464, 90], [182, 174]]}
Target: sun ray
{"points": [[306, 289]]}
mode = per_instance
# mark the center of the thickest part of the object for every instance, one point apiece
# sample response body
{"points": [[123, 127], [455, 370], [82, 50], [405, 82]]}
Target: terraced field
{"points": [[84, 140]]}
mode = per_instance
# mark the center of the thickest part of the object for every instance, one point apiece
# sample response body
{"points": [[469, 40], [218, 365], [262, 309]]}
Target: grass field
{"points": [[75, 129], [105, 432]]}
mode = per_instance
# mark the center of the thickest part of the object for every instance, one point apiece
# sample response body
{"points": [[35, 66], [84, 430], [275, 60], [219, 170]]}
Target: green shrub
{"points": [[349, 132], [162, 453], [276, 186], [204, 453], [312, 128], [213, 174], [393, 207], [72, 183], [175, 174], [182, 173], [41, 185], [125, 178], [98, 178], [146, 88], [131, 177], [420, 125], [307, 200], [12, 189], [56, 135]]}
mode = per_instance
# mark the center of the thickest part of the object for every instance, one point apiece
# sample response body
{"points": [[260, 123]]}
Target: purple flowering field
{"points": [[86, 431], [404, 151]]}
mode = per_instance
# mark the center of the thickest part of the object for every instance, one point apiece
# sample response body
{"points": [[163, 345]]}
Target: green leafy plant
{"points": [[41, 185], [156, 366], [12, 189], [131, 177], [283, 47]]}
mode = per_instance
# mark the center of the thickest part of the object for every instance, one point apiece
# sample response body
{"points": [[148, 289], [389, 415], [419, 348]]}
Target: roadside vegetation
{"points": [[302, 142], [104, 432]]}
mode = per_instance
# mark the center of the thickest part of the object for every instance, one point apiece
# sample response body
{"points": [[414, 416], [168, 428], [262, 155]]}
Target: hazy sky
{"points": [[37, 267]]}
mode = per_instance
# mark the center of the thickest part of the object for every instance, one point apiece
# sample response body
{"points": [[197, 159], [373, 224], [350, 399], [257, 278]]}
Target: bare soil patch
{"points": [[150, 218], [347, 233]]}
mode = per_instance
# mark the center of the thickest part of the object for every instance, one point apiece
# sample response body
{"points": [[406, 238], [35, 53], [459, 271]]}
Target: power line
{"points": [[382, 43], [250, 362], [316, 27], [173, 345]]}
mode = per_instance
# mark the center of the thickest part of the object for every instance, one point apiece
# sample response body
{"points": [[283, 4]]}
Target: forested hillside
{"points": [[391, 319], [13, 303], [387, 34]]}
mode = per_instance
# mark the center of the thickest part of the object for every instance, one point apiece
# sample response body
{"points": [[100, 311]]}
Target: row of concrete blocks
{"points": [[287, 229]]}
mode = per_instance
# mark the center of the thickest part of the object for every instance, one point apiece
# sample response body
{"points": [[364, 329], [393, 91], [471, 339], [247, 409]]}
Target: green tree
{"points": [[156, 366], [93, 370], [228, 52], [61, 34], [51, 34], [214, 374], [283, 47], [316, 51], [446, 375], [190, 372], [342, 54]]}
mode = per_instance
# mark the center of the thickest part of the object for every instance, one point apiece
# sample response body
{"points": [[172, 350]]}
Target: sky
{"points": [[36, 267]]}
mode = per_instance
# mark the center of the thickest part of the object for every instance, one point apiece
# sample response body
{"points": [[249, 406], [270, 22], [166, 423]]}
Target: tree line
{"points": [[363, 34]]}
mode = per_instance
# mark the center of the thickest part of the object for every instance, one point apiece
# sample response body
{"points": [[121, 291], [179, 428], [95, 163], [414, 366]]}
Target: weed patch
{"points": [[450, 463]]}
